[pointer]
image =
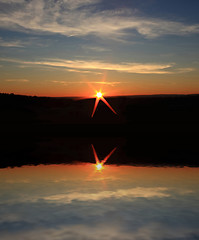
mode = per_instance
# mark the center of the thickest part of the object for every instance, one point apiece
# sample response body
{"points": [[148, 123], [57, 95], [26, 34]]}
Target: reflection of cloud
{"points": [[124, 193], [100, 178], [106, 231], [14, 181], [162, 231], [72, 18], [151, 216]]}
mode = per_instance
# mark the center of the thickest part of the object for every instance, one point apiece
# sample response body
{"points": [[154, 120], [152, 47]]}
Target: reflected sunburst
{"points": [[100, 164]]}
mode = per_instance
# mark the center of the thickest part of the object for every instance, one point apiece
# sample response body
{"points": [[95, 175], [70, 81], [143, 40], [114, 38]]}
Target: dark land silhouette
{"points": [[159, 130], [159, 113]]}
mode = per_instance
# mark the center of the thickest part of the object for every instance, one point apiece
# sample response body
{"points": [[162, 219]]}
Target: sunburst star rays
{"points": [[99, 96]]}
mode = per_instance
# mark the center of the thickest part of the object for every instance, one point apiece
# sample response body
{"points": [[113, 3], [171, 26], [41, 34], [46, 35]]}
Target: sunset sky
{"points": [[71, 47]]}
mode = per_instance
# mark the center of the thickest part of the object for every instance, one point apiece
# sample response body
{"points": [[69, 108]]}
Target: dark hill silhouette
{"points": [[159, 113], [160, 130]]}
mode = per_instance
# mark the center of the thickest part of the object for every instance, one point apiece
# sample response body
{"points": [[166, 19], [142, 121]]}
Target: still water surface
{"points": [[77, 202]]}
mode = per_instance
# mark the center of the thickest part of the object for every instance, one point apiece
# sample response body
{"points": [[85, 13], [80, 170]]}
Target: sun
{"points": [[99, 95]]}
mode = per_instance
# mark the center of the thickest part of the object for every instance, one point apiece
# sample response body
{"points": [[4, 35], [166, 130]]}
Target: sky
{"points": [[123, 47]]}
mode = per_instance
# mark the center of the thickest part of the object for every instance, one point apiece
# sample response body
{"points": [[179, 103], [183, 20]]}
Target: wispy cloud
{"points": [[74, 4], [83, 82], [108, 83], [184, 70], [96, 48], [16, 43], [84, 66], [83, 71], [11, 1], [80, 18], [59, 82], [16, 80]]}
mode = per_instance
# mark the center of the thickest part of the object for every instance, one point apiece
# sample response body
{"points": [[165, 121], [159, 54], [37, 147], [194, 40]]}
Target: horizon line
{"points": [[108, 96]]}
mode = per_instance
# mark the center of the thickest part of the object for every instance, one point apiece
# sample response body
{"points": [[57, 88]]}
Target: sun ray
{"points": [[94, 109], [99, 96], [108, 105]]}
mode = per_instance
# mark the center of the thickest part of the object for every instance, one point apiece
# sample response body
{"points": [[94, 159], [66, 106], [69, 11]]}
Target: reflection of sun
{"points": [[99, 166]]}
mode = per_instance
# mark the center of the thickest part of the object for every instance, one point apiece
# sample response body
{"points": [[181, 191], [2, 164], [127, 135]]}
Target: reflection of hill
{"points": [[139, 113], [148, 130], [140, 149]]}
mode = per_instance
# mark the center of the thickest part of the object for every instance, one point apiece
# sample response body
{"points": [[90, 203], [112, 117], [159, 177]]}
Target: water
{"points": [[78, 202]]}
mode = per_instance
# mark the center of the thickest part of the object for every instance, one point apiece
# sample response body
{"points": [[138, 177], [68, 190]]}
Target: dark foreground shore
{"points": [[138, 150], [148, 130], [72, 117]]}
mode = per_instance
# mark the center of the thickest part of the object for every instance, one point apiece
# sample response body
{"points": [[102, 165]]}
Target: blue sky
{"points": [[58, 47]]}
